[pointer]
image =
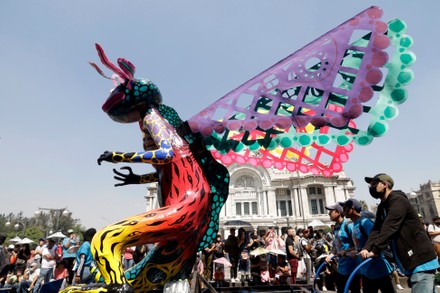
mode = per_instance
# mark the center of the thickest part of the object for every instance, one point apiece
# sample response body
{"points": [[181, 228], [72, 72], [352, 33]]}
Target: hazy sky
{"points": [[52, 127]]}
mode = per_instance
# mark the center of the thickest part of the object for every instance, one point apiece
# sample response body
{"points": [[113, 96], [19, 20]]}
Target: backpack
{"points": [[367, 215], [300, 248], [348, 234]]}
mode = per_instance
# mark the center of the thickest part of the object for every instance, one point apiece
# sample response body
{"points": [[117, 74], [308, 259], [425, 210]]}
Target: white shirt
{"points": [[38, 249], [48, 263], [33, 274], [304, 242], [434, 228]]}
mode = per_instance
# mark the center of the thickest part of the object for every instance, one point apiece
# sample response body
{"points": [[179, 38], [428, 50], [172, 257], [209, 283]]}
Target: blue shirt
{"points": [[379, 267], [72, 244], [427, 266], [85, 249], [342, 241]]}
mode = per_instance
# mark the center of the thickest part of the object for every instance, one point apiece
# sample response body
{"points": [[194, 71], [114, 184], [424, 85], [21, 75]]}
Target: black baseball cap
{"points": [[352, 203]]}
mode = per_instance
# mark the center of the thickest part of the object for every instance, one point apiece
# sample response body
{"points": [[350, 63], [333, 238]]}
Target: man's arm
{"points": [[79, 268], [48, 256], [155, 124]]}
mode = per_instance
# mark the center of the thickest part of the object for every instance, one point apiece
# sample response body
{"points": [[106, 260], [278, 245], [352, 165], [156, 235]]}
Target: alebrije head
{"points": [[131, 97]]}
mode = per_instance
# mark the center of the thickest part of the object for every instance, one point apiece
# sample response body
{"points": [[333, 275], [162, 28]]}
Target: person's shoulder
{"points": [[347, 223], [398, 195]]}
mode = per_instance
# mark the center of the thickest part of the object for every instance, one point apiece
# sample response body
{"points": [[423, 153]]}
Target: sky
{"points": [[52, 128]]}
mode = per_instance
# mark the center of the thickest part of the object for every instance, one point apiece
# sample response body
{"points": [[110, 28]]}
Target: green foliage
{"points": [[37, 226], [364, 205]]}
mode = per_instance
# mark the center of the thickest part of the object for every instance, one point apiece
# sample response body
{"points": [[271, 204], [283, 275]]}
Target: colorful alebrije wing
{"points": [[305, 112]]}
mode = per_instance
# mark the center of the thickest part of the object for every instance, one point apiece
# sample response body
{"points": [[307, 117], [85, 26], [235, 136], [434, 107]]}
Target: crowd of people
{"points": [[23, 269], [264, 257], [392, 243]]}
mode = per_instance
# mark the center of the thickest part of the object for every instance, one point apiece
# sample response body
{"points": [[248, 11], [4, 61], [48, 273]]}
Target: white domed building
{"points": [[271, 197]]}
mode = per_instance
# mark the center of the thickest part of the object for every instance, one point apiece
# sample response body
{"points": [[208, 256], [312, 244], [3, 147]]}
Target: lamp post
{"points": [[20, 225], [16, 228], [301, 199], [55, 216]]}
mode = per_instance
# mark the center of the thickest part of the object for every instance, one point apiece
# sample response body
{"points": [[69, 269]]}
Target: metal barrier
{"points": [[317, 273]]}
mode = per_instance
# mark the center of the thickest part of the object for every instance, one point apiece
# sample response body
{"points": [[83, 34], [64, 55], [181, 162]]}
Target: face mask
{"points": [[376, 194]]}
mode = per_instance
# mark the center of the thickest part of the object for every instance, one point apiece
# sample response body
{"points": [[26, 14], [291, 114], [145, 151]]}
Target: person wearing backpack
{"points": [[376, 275], [398, 224], [342, 245], [305, 248]]}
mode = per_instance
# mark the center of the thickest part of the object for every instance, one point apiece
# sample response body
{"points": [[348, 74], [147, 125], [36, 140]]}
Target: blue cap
{"points": [[352, 203]]}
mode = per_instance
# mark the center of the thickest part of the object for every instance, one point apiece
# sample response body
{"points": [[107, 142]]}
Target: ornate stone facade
{"points": [[271, 197], [426, 200]]}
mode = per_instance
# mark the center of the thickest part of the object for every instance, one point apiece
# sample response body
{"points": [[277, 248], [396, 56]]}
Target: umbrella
{"points": [[25, 240], [223, 261], [277, 251], [321, 256], [57, 235], [317, 223], [15, 239], [237, 223], [259, 251]]}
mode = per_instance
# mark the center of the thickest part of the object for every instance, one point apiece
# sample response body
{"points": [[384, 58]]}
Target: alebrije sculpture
{"points": [[300, 114]]}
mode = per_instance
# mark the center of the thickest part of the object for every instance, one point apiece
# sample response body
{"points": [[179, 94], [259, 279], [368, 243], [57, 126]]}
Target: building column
{"points": [[296, 207], [264, 202], [151, 197], [260, 206], [305, 202], [271, 202]]}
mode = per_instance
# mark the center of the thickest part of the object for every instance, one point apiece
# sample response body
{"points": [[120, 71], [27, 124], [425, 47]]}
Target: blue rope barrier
{"points": [[318, 271], [347, 285]]}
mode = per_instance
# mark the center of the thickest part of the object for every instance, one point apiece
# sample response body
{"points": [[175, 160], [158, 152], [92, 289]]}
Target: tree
{"points": [[364, 205], [38, 226]]}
